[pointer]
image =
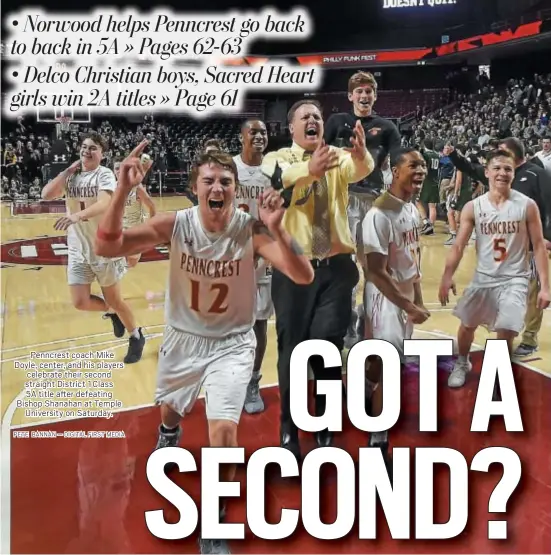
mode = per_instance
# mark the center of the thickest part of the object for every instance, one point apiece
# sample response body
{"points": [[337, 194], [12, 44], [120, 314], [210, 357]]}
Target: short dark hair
{"points": [[498, 153], [515, 146], [397, 156], [218, 157], [247, 123], [298, 104], [100, 140]]}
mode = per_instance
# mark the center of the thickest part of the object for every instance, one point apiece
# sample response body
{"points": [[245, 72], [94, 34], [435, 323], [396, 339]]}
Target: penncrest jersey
{"points": [[394, 232], [212, 278], [81, 191], [133, 213], [502, 240], [251, 184]]}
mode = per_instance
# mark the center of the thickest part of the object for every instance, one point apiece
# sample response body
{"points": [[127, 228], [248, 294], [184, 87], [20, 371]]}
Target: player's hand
{"points": [[271, 209], [132, 170], [544, 299], [73, 168], [418, 314], [444, 291], [67, 221], [323, 159], [358, 150]]}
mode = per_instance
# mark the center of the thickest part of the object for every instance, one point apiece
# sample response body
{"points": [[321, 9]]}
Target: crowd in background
{"points": [[473, 124]]}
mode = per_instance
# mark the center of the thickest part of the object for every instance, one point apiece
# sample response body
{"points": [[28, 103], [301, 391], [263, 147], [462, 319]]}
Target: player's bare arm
{"points": [[275, 245], [535, 231], [383, 281], [138, 239], [56, 187], [111, 241], [466, 227], [96, 209], [418, 295]]}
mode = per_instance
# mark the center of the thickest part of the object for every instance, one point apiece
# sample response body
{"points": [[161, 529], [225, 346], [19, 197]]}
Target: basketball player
{"points": [[252, 182], [506, 221], [211, 299], [381, 138], [430, 193], [393, 299], [133, 213], [88, 187]]}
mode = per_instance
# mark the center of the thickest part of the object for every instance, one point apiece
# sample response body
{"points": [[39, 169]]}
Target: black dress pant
{"points": [[320, 310]]}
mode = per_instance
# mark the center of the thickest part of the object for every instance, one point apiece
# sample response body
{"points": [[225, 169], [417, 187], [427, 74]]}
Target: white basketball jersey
{"points": [[212, 279], [81, 191], [133, 214], [395, 234], [251, 183], [502, 240]]}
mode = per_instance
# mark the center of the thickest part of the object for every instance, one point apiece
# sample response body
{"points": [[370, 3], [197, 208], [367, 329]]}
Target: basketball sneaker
{"points": [[215, 547], [135, 348], [459, 373], [118, 326], [168, 439], [253, 400]]}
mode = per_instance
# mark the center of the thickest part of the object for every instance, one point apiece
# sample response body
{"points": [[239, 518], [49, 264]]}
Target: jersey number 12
{"points": [[217, 305]]}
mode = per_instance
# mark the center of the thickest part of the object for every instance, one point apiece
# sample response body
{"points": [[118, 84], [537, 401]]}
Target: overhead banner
{"points": [[374, 57]]}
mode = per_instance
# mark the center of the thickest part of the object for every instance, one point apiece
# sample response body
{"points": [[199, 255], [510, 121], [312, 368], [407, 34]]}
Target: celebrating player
{"points": [[252, 182], [506, 221], [88, 187], [211, 298], [393, 300]]}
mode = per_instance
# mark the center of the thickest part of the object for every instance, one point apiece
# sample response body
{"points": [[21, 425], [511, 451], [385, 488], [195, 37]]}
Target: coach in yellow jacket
{"points": [[318, 176]]}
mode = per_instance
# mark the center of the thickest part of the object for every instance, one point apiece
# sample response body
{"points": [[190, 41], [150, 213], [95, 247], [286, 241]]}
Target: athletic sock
{"points": [[166, 430], [135, 333]]}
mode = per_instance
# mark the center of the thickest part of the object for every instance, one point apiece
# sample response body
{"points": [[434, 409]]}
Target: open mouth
{"points": [[312, 132], [259, 144], [216, 204]]}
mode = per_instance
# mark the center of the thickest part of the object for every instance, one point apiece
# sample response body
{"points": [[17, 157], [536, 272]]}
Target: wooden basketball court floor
{"points": [[37, 315]]}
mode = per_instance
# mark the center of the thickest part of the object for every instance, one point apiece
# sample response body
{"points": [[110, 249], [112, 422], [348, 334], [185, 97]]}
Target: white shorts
{"points": [[264, 305], [502, 307], [222, 366], [384, 320], [84, 271], [358, 207]]}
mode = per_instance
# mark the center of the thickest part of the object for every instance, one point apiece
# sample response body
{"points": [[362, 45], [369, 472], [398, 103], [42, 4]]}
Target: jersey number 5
{"points": [[217, 305], [500, 250]]}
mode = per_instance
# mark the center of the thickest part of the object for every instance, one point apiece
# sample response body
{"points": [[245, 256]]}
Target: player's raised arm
{"points": [[56, 187], [111, 240], [275, 245]]}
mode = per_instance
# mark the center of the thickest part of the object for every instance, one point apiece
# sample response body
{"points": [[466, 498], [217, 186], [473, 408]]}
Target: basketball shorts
{"points": [[501, 307], [264, 305], [430, 193], [221, 366], [84, 270], [358, 206], [384, 320]]}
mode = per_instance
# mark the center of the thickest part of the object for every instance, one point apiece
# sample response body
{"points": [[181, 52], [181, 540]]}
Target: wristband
{"points": [[105, 236]]}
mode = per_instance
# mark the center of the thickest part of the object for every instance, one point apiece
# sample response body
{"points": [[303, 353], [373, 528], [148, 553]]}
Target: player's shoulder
{"points": [[104, 170]]}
